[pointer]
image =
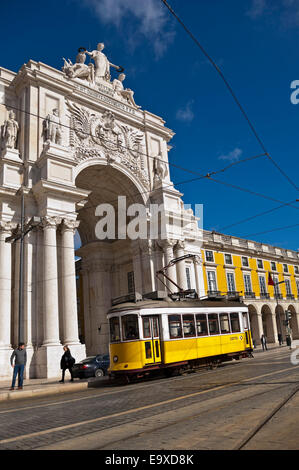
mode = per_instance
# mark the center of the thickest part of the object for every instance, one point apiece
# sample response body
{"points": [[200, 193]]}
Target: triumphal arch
{"points": [[75, 146]]}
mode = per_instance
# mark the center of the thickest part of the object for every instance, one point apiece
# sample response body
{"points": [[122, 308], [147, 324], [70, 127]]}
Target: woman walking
{"points": [[67, 362]]}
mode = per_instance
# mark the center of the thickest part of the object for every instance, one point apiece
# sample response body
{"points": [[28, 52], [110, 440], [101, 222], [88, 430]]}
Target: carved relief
{"points": [[101, 136]]}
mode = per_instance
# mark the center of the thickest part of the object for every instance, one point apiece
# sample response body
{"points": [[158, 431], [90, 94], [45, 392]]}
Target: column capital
{"points": [[7, 226], [167, 243], [50, 222], [69, 225], [180, 245]]}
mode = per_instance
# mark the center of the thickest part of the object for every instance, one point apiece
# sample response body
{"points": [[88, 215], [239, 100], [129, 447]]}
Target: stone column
{"points": [[274, 326], [171, 271], [200, 286], [180, 266], [5, 285], [68, 282], [50, 283], [260, 327]]}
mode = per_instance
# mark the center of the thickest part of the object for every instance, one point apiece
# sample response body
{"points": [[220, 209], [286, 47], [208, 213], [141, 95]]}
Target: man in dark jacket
{"points": [[20, 357]]}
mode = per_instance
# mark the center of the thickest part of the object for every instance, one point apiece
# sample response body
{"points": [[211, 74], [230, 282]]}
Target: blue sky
{"points": [[254, 42]]}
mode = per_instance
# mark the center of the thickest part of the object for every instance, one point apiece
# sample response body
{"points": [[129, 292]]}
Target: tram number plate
{"points": [[235, 338]]}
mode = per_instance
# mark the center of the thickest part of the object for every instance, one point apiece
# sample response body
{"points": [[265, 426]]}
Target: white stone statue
{"points": [[102, 64], [79, 69], [52, 130], [9, 131], [125, 93]]}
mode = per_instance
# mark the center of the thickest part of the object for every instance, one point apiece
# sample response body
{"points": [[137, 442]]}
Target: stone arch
{"points": [[294, 322], [280, 318], [108, 265], [254, 325], [267, 319]]}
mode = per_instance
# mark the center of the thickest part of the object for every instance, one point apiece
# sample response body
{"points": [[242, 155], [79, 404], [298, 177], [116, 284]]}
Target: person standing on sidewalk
{"points": [[67, 362], [20, 357], [264, 342]]}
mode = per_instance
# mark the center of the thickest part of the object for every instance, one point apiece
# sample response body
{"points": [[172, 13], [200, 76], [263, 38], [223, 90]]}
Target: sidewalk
{"points": [[42, 387]]}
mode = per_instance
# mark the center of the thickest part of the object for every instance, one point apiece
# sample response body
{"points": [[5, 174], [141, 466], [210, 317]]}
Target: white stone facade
{"points": [[80, 141]]}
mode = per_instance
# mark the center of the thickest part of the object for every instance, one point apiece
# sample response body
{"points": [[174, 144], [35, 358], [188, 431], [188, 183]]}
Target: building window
{"points": [[260, 264], [288, 287], [247, 283], [209, 256], [276, 285], [212, 284], [188, 278], [296, 269], [131, 282], [273, 266], [262, 285], [230, 282], [228, 259], [285, 268], [245, 261]]}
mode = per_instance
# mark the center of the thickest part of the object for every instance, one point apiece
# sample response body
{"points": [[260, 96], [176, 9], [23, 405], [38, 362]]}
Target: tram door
{"points": [[151, 334], [246, 329]]}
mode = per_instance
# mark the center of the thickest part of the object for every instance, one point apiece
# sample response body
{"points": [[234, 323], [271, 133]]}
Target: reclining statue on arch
{"points": [[79, 69]]}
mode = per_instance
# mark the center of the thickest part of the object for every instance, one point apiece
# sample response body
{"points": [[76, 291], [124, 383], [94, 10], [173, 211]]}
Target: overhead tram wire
{"points": [[258, 215], [201, 176], [141, 153], [230, 89]]}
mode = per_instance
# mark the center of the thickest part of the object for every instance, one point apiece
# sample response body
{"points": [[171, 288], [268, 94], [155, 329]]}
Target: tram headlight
{"points": [[115, 358]]}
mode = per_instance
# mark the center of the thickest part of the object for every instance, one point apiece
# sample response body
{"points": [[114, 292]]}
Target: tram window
{"points": [[146, 327], [114, 329], [213, 324], [175, 326], [188, 325], [148, 350], [234, 319], [224, 323], [130, 327], [202, 325]]}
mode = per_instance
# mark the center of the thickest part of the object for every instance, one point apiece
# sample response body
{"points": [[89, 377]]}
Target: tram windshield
{"points": [[130, 327]]}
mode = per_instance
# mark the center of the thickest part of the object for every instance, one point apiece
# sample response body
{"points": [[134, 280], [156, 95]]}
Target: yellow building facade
{"points": [[236, 267]]}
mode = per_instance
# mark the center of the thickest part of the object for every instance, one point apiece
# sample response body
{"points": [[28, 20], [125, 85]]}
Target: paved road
{"points": [[249, 404]]}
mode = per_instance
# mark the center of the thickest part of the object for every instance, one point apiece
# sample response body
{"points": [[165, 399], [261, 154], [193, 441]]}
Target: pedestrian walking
{"points": [[18, 361], [264, 342], [280, 340], [67, 362]]}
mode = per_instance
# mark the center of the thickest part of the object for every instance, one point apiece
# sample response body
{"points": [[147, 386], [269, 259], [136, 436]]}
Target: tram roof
{"points": [[142, 304]]}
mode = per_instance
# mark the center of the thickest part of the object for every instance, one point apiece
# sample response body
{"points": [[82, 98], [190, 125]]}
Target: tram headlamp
{"points": [[115, 358]]}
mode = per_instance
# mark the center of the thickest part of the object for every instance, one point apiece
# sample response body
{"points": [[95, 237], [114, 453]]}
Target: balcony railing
{"points": [[249, 295], [290, 296], [214, 293], [265, 295], [278, 296]]}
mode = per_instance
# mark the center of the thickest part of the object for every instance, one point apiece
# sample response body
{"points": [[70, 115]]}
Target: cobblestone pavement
{"points": [[215, 409]]}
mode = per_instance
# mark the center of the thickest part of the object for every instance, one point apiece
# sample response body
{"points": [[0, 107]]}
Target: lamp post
{"points": [[22, 231]]}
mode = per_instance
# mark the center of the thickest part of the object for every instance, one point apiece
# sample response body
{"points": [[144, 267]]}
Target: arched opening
{"points": [[280, 321], [254, 325], [294, 322], [268, 324], [110, 261]]}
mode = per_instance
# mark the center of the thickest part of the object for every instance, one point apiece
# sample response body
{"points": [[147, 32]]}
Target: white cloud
{"points": [[232, 156], [151, 16], [257, 9], [186, 114]]}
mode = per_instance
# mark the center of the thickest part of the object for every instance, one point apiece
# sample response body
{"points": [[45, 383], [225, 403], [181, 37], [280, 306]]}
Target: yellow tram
{"points": [[151, 335]]}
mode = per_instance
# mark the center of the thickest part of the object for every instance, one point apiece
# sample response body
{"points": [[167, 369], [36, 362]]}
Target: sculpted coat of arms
{"points": [[100, 135]]}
